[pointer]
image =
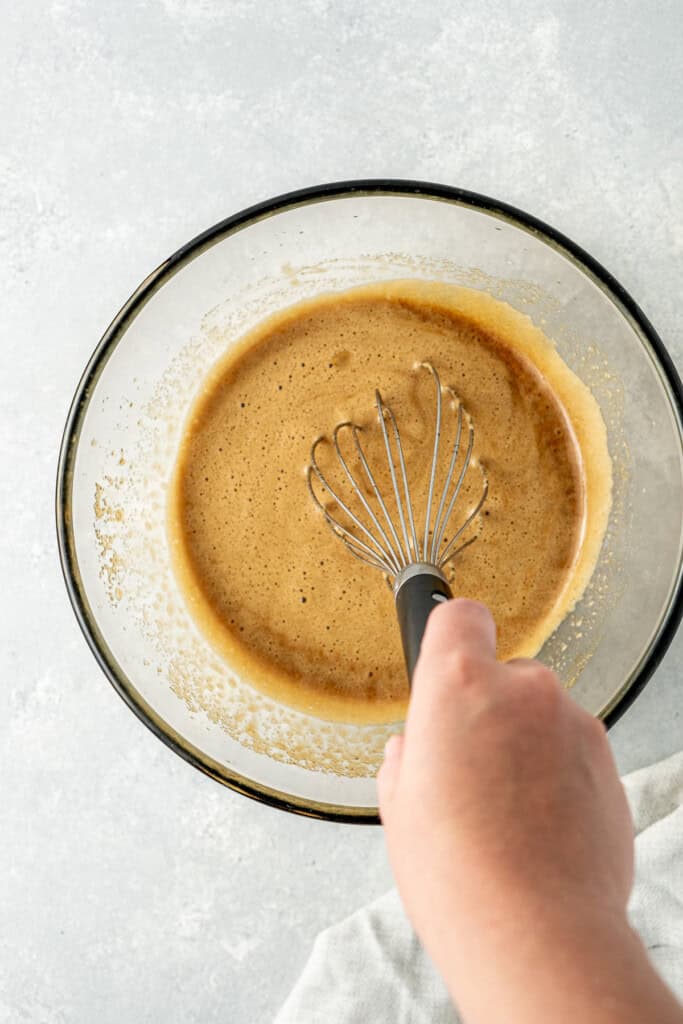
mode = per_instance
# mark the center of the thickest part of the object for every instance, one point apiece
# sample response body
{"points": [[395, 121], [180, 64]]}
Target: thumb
{"points": [[387, 777]]}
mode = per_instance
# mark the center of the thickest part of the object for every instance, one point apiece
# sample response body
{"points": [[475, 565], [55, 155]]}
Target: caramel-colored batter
{"points": [[265, 579]]}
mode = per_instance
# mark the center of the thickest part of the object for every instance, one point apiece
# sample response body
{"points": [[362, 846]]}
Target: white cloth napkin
{"points": [[371, 966]]}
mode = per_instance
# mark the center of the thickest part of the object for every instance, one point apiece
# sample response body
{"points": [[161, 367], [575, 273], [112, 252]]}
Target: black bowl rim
{"points": [[110, 338]]}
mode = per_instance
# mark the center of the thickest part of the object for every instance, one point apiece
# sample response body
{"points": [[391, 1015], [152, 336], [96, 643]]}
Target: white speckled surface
{"points": [[132, 888]]}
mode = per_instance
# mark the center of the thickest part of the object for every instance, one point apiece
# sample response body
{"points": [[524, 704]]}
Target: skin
{"points": [[511, 840]]}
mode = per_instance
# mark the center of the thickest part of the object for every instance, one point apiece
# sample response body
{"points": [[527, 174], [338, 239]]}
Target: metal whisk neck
{"points": [[416, 569]]}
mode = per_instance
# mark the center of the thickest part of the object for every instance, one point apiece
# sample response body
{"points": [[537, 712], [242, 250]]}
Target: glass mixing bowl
{"points": [[124, 426]]}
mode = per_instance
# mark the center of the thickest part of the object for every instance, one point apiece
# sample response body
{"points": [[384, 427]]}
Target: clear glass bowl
{"points": [[124, 425]]}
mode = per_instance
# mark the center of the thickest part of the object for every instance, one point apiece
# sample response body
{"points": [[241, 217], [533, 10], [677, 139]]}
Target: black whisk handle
{"points": [[418, 591]]}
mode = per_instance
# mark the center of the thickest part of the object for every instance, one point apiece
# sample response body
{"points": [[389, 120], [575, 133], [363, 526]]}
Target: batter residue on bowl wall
{"points": [[268, 584]]}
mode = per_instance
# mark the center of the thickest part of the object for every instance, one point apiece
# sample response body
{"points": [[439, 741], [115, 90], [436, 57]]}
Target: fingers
{"points": [[460, 625], [387, 777], [528, 671], [458, 650]]}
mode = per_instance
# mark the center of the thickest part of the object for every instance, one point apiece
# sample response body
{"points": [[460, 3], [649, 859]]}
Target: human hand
{"points": [[507, 826]]}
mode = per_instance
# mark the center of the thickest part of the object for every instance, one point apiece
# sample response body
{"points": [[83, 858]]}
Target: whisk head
{"points": [[363, 518]]}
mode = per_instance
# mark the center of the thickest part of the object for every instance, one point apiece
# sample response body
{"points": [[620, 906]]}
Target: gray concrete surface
{"points": [[132, 888]]}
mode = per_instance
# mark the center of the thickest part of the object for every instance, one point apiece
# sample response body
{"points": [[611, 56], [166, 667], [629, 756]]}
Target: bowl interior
{"points": [[125, 426]]}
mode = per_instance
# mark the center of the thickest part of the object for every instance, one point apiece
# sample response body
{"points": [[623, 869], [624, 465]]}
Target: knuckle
{"points": [[464, 667], [538, 686], [546, 679]]}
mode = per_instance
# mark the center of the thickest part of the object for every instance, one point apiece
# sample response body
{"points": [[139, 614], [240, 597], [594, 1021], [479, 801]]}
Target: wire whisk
{"points": [[405, 549]]}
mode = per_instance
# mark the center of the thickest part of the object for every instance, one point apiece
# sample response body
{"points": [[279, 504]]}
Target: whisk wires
{"points": [[379, 541]]}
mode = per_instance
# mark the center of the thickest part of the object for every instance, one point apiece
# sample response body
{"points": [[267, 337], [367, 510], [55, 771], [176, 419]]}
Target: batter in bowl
{"points": [[264, 578]]}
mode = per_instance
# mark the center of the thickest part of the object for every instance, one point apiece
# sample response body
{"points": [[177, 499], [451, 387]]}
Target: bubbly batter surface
{"points": [[265, 579]]}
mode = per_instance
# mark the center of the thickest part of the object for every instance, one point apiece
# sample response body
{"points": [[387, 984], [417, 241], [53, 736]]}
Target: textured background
{"points": [[131, 887]]}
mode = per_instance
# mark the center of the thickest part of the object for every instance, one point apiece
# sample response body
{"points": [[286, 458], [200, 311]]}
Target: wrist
{"points": [[566, 966]]}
